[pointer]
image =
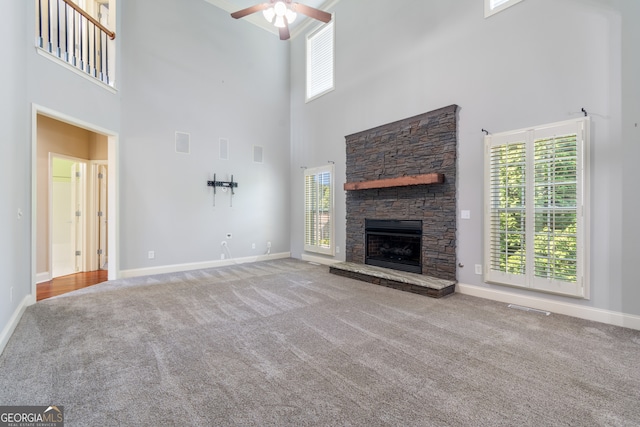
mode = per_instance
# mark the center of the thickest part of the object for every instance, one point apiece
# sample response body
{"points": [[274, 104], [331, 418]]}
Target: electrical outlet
{"points": [[253, 246], [478, 268], [229, 235], [152, 254], [464, 214], [221, 256], [269, 245], [337, 249]]}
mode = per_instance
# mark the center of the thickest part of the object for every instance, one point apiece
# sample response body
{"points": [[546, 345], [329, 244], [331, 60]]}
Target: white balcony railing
{"points": [[68, 32]]}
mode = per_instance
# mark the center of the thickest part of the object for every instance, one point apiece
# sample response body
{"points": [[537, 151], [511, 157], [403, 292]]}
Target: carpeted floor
{"points": [[285, 343]]}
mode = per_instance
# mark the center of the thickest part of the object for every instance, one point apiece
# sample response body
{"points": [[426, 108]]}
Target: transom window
{"points": [[536, 210], [492, 7], [320, 61]]}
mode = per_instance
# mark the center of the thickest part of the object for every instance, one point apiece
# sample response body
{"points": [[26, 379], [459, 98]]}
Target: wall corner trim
{"points": [[582, 312]]}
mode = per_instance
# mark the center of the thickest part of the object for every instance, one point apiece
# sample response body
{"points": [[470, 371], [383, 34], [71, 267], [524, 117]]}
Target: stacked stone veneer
{"points": [[418, 145]]}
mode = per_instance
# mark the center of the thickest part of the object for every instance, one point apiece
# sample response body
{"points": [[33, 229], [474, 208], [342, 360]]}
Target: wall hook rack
{"points": [[224, 184], [486, 132]]}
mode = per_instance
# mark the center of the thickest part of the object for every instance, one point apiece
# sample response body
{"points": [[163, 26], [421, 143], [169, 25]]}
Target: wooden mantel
{"points": [[403, 181]]}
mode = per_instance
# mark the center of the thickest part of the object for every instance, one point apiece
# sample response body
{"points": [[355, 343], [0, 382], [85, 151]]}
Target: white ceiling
{"points": [[257, 19]]}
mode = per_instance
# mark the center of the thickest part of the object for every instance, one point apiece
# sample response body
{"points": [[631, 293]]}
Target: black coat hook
{"points": [[585, 112], [486, 132]]}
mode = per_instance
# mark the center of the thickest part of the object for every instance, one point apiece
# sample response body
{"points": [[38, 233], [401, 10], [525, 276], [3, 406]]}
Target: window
{"points": [[320, 60], [492, 7], [318, 210], [536, 210]]}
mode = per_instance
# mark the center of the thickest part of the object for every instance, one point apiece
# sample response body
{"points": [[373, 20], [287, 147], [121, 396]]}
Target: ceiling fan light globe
{"points": [[279, 22], [291, 16], [280, 8], [269, 14]]}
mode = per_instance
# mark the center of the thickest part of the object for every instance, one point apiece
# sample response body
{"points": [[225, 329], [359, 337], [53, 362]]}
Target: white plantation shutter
{"points": [[507, 216], [535, 233], [318, 210], [556, 203], [320, 61]]}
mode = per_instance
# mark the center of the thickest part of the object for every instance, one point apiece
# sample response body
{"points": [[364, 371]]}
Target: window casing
{"points": [[536, 208], [320, 61], [491, 7], [319, 210]]}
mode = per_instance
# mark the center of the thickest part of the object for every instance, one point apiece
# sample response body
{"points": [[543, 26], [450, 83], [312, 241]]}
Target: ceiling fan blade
{"points": [[312, 12], [248, 11], [284, 31]]}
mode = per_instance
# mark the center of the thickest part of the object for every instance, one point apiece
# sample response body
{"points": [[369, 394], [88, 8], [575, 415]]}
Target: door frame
{"points": [[112, 187]]}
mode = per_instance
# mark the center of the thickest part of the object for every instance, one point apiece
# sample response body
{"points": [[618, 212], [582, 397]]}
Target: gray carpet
{"points": [[285, 343]]}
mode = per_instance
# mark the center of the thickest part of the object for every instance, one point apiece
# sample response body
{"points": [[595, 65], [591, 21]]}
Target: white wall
{"points": [[182, 66], [630, 87], [188, 67], [15, 260], [537, 62]]}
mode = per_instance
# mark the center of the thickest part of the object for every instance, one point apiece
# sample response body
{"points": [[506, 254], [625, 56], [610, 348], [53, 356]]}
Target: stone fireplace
{"points": [[405, 173]]}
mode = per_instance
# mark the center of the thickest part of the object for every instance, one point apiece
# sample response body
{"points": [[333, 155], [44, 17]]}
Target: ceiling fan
{"points": [[282, 13]]}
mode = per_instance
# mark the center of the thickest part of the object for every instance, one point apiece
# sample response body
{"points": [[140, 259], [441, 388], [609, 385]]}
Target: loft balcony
{"points": [[77, 37]]}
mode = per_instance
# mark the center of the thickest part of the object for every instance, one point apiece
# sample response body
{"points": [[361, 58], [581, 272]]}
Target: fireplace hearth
{"points": [[394, 244]]}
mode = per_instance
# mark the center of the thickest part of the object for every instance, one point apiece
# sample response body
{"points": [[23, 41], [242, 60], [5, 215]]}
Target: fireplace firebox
{"points": [[394, 244]]}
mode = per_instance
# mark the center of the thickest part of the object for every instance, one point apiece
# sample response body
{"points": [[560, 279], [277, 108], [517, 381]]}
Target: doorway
{"points": [[74, 188]]}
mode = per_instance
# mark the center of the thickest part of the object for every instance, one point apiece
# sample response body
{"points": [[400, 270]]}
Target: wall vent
{"points": [[182, 142], [257, 154], [224, 149]]}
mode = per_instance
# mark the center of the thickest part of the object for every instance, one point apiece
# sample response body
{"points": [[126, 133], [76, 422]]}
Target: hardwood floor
{"points": [[64, 284]]}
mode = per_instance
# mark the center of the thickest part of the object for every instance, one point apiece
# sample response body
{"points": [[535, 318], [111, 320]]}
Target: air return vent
{"points": [[257, 154], [182, 142]]}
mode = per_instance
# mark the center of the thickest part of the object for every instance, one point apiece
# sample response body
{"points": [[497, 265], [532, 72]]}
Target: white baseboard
{"points": [[43, 277], [588, 313], [199, 265], [13, 322], [319, 259]]}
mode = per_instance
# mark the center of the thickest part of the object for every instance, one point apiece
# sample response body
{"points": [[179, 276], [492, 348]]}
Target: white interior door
{"points": [[67, 222], [79, 191], [102, 217], [62, 250]]}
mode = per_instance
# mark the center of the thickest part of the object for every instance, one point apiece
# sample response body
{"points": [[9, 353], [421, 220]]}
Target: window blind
{"points": [[318, 210], [320, 61], [536, 215], [497, 3], [492, 7]]}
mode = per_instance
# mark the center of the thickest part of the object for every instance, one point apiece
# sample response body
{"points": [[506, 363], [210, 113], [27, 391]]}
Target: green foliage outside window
{"points": [[555, 200], [318, 210]]}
